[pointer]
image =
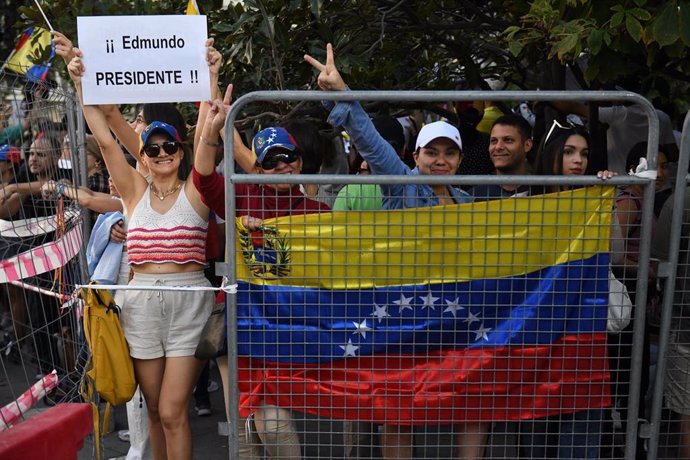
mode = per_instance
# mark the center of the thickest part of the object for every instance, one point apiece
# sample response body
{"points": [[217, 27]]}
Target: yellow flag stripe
{"points": [[494, 239], [192, 8]]}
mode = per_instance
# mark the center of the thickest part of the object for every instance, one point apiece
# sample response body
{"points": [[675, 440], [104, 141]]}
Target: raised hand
{"points": [[213, 58], [63, 46], [227, 99], [76, 67], [329, 78]]}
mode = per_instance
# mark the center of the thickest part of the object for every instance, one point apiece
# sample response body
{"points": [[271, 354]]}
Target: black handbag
{"points": [[212, 342]]}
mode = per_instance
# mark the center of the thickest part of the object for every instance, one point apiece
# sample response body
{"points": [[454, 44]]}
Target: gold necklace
{"points": [[163, 195]]}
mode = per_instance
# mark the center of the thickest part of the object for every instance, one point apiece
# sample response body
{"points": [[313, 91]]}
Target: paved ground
{"points": [[208, 445]]}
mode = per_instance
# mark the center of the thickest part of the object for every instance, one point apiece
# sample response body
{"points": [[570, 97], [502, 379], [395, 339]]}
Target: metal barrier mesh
{"points": [[442, 332], [40, 241]]}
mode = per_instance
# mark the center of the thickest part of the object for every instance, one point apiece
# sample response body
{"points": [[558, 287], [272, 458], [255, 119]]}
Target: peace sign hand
{"points": [[219, 111], [329, 79]]}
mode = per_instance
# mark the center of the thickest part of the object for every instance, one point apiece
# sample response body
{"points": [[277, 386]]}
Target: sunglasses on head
{"points": [[272, 159], [153, 150], [555, 125]]}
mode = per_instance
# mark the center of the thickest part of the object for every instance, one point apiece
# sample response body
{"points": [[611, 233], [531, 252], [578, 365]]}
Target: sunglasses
{"points": [[153, 150], [272, 160], [555, 125]]}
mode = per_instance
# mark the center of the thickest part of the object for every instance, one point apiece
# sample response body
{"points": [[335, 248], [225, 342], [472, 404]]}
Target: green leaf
{"points": [[515, 47], [567, 45], [684, 22], [640, 2], [634, 27], [316, 6], [595, 40], [617, 19], [666, 24], [511, 31], [641, 14], [31, 13], [607, 38]]}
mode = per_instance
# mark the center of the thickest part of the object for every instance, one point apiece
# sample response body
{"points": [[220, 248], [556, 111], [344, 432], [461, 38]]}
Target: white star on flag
{"points": [[349, 349], [380, 312], [428, 301], [481, 332], [361, 328], [404, 302], [471, 318], [272, 137], [453, 307]]}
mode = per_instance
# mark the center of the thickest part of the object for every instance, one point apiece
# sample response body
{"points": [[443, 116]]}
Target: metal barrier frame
{"points": [[669, 269], [231, 177]]}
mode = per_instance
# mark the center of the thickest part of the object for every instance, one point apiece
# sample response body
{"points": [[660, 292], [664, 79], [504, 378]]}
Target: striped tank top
{"points": [[178, 236]]}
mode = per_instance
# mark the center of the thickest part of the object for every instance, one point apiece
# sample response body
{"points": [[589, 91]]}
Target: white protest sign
{"points": [[138, 59]]}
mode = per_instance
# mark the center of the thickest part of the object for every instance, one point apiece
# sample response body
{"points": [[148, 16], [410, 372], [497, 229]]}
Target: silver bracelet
{"points": [[210, 144]]}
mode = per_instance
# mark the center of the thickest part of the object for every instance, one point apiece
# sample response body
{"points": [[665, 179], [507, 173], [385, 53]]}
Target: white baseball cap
{"points": [[438, 129]]}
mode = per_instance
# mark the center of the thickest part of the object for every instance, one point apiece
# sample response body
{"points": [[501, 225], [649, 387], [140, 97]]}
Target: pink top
{"points": [[178, 236]]}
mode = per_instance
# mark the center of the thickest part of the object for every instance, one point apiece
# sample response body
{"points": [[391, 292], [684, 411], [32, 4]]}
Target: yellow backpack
{"points": [[109, 369]]}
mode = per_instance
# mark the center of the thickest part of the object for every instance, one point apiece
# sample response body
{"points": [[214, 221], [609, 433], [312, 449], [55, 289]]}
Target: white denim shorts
{"points": [[165, 323]]}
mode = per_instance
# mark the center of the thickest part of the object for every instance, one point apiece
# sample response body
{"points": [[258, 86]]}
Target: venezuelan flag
{"points": [[23, 59], [482, 311]]}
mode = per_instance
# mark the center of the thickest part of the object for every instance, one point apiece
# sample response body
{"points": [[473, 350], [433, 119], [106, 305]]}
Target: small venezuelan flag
{"points": [[23, 59]]}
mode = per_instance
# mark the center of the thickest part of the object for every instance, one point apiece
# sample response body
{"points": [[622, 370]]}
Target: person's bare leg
{"points": [[249, 450], [149, 373], [396, 442], [181, 373], [277, 432], [471, 440]]}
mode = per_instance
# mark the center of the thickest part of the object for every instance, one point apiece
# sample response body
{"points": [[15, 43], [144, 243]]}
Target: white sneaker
{"points": [[123, 435]]}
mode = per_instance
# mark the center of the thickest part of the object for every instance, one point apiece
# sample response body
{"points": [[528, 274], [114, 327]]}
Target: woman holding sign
{"points": [[161, 327]]}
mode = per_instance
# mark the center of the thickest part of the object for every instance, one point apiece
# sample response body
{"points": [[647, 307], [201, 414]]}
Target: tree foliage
{"points": [[642, 43], [436, 44]]}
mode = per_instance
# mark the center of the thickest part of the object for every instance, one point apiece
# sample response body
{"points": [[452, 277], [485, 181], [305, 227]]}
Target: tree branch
{"points": [[379, 41], [274, 49]]}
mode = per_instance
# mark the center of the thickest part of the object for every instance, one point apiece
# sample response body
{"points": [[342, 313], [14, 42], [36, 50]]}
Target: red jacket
{"points": [[261, 201]]}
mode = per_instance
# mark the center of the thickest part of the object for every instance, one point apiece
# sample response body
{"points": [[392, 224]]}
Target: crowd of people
{"points": [[163, 200]]}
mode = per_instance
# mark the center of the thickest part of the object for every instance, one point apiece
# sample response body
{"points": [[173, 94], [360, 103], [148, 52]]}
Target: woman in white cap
{"points": [[162, 327], [438, 152]]}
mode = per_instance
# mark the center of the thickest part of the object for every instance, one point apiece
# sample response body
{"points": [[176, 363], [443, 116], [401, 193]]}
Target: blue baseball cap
{"points": [[269, 138], [159, 127], [10, 153]]}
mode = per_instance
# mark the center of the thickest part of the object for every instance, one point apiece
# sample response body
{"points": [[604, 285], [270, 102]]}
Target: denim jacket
{"points": [[103, 255], [383, 159]]}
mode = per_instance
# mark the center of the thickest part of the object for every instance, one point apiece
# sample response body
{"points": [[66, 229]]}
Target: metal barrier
{"points": [[675, 271], [41, 244], [339, 407]]}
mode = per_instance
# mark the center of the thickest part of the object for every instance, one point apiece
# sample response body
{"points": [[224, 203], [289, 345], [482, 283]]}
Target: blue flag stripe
{"points": [[307, 325]]}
